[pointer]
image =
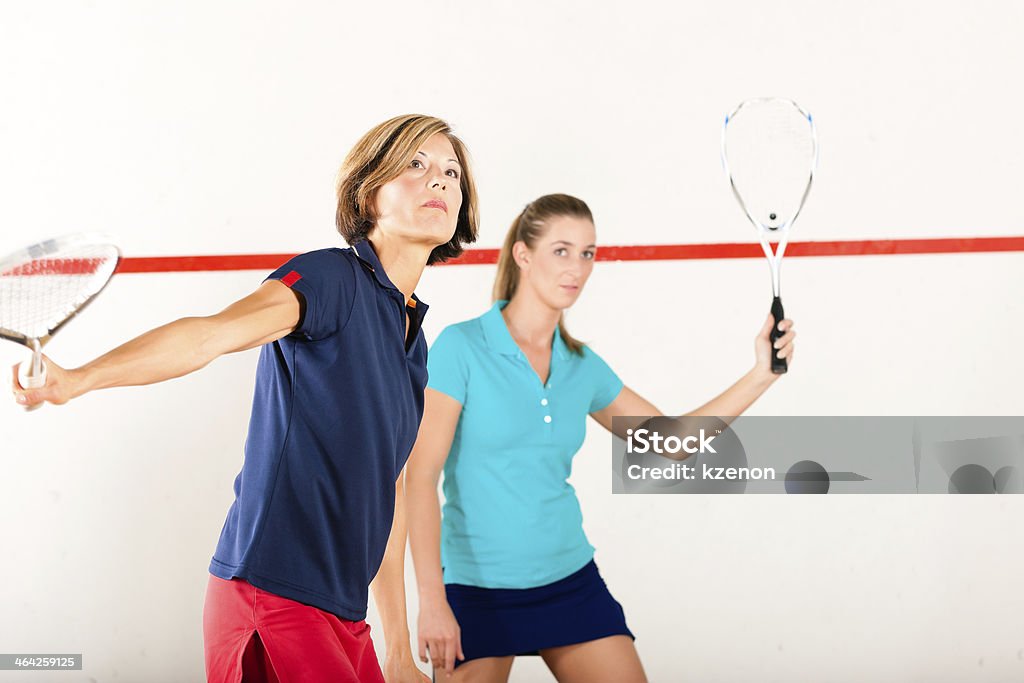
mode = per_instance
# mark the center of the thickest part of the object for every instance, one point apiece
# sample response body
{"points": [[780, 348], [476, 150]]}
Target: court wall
{"points": [[216, 128]]}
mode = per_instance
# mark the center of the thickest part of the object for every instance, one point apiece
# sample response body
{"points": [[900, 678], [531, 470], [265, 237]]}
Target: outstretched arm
{"points": [[727, 405], [175, 349]]}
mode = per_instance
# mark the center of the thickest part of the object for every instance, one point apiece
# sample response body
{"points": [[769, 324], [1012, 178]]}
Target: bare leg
{"points": [[612, 660], [484, 670]]}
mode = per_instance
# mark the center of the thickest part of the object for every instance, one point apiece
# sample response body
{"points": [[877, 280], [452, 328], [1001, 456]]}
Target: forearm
{"points": [[166, 352], [389, 596], [425, 538], [737, 398], [389, 587]]}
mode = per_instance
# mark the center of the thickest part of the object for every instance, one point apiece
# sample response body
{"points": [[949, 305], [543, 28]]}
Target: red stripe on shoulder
{"points": [[291, 278]]}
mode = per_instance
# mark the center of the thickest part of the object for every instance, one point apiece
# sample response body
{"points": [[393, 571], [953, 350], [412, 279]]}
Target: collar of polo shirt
{"points": [[366, 254], [500, 339]]}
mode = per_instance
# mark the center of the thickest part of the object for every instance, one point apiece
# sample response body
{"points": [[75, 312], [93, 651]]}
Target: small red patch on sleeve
{"points": [[291, 278]]}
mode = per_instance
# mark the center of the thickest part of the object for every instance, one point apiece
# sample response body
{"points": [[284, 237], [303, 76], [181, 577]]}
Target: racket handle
{"points": [[779, 365], [28, 380]]}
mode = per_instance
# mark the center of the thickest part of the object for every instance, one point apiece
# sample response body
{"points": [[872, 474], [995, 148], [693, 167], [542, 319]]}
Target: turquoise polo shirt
{"points": [[510, 518]]}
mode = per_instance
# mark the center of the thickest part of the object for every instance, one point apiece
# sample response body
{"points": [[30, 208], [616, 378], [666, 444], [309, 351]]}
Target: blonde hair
{"points": [[379, 157], [528, 228]]}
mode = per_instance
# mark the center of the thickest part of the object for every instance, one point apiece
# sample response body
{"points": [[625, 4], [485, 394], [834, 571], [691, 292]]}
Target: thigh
{"points": [[306, 644], [228, 627], [613, 660], [483, 670]]}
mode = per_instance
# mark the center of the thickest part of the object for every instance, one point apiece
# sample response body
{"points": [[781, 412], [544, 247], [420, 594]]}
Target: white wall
{"points": [[214, 127]]}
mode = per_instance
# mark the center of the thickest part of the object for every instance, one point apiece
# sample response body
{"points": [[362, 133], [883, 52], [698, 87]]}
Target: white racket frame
{"points": [[774, 258], [32, 374]]}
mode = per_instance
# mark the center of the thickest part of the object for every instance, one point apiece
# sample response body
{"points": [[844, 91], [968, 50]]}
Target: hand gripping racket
{"points": [[44, 286], [770, 152]]}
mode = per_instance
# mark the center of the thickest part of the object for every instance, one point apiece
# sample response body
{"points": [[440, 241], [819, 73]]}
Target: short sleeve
{"points": [[326, 280], [606, 383], [448, 365]]}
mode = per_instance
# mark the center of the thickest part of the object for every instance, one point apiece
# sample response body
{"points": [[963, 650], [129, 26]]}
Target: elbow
{"points": [[206, 342], [420, 483]]}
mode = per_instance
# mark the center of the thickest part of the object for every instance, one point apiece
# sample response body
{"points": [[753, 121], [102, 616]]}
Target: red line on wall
{"points": [[650, 252], [180, 264]]}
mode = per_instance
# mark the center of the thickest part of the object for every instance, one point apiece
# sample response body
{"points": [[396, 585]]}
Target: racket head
{"points": [[45, 285], [770, 153]]}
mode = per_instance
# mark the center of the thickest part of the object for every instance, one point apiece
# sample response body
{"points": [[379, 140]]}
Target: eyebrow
{"points": [[589, 246], [455, 160]]}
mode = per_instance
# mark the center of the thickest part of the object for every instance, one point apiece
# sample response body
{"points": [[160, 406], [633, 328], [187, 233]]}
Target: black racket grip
{"points": [[779, 365]]}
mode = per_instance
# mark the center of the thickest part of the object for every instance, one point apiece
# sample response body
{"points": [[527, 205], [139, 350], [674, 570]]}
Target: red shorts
{"points": [[263, 637]]}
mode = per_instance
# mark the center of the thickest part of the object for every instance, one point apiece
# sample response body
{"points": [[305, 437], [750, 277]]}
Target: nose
{"points": [[439, 182]]}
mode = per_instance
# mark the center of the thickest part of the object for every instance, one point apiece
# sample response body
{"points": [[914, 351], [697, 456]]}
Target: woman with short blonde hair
{"points": [[338, 399]]}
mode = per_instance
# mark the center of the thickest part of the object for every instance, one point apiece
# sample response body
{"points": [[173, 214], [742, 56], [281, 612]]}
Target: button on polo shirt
{"points": [[335, 413], [511, 519]]}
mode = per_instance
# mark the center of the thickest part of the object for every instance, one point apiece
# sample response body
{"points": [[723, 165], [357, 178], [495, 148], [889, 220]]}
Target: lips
{"points": [[436, 204]]}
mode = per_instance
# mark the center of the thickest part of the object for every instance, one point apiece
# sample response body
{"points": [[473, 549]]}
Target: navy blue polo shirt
{"points": [[334, 417]]}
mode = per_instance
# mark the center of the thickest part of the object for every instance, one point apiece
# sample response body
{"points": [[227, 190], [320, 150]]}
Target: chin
{"points": [[565, 300], [439, 233], [433, 237]]}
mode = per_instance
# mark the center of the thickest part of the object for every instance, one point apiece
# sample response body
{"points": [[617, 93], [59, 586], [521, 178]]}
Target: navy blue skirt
{"points": [[499, 622]]}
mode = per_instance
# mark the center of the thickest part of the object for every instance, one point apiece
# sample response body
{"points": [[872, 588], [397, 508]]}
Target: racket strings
{"points": [[770, 152], [38, 294]]}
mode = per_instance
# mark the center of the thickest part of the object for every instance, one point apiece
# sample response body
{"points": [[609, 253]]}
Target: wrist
{"points": [[396, 639], [78, 381], [400, 650], [433, 596], [762, 377]]}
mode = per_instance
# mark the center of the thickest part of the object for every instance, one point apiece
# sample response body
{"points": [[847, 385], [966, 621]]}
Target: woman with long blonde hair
{"points": [[507, 570]]}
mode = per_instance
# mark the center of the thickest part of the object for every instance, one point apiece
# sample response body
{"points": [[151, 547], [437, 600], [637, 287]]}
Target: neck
{"points": [[403, 261], [530, 320]]}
